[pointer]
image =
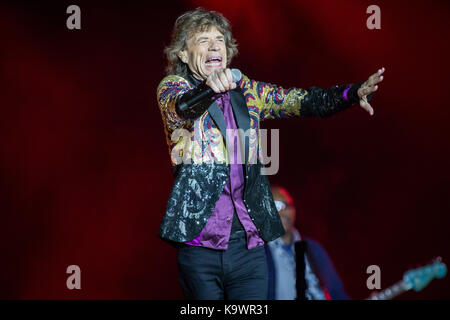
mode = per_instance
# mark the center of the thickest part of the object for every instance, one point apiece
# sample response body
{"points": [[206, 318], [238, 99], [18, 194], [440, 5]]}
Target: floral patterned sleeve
{"points": [[275, 102], [168, 92]]}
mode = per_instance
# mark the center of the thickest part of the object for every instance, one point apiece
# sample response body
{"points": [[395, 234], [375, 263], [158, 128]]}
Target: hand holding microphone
{"points": [[194, 102], [223, 80]]}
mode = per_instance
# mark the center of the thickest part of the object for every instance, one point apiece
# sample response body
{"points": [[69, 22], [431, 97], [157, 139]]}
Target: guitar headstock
{"points": [[419, 278]]}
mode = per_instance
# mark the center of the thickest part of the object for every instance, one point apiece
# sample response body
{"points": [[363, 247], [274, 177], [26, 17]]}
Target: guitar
{"points": [[416, 280]]}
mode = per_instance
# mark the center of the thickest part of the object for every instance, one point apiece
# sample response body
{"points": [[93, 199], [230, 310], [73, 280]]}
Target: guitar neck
{"points": [[389, 293], [416, 279]]}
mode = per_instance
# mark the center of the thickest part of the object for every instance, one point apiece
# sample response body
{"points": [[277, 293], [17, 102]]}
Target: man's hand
{"points": [[221, 81], [368, 87]]}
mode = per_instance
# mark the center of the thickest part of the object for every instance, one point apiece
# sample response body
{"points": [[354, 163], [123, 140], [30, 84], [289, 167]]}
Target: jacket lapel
{"points": [[240, 109], [217, 115], [241, 115]]}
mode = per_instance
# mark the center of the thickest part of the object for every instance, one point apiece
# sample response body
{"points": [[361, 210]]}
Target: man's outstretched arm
{"points": [[277, 102]]}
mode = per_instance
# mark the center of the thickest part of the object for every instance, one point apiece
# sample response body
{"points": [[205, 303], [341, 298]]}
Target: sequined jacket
{"points": [[199, 156]]}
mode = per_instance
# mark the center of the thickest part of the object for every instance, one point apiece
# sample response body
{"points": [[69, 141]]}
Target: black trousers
{"points": [[233, 274]]}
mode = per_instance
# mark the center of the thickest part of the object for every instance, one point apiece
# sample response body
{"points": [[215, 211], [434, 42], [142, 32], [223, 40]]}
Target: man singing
{"points": [[221, 211]]}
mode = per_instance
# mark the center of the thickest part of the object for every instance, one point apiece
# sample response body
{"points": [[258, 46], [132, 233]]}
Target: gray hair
{"points": [[186, 26]]}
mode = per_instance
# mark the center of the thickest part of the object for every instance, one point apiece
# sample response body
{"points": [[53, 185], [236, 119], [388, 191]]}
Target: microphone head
{"points": [[237, 75]]}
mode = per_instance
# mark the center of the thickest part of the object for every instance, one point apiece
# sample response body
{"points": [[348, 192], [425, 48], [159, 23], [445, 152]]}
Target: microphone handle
{"points": [[204, 92]]}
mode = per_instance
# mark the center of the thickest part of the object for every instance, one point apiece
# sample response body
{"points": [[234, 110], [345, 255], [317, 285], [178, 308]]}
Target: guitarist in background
{"points": [[299, 268]]}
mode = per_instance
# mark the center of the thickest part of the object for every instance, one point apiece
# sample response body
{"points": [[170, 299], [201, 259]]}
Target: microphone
{"points": [[202, 93]]}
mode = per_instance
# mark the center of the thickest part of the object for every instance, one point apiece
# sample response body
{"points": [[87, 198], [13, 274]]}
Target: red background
{"points": [[85, 171]]}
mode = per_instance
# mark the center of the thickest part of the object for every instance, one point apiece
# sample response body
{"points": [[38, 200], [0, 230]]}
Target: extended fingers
{"points": [[368, 87], [366, 106], [366, 90], [376, 77]]}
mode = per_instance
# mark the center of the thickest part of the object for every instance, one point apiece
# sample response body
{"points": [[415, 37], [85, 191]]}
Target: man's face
{"points": [[287, 212], [205, 52]]}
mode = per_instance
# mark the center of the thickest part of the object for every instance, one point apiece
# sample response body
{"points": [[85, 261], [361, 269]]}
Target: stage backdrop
{"points": [[84, 166]]}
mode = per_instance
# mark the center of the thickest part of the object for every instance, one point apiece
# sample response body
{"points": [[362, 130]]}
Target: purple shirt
{"points": [[216, 233]]}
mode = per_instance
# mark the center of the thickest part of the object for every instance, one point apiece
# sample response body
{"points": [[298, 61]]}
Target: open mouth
{"points": [[214, 61]]}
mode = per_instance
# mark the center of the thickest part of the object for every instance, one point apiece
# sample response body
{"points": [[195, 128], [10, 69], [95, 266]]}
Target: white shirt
{"points": [[285, 272]]}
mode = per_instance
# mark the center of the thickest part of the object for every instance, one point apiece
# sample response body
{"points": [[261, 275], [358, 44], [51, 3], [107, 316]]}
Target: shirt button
{"points": [[228, 219]]}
